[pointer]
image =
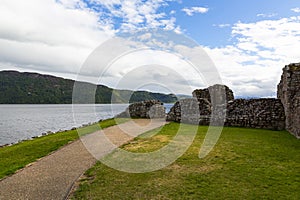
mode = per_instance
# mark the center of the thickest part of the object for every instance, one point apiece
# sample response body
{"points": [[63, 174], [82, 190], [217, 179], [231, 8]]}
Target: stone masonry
{"points": [[215, 94], [190, 111], [145, 109], [256, 113], [222, 109], [289, 94], [252, 113]]}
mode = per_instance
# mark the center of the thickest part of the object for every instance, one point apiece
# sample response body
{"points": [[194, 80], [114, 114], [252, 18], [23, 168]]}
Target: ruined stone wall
{"points": [[210, 104], [252, 113], [190, 111], [145, 109], [216, 94], [289, 94], [256, 113], [215, 105]]}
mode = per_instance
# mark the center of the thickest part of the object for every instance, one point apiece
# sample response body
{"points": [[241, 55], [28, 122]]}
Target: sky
{"points": [[249, 42]]}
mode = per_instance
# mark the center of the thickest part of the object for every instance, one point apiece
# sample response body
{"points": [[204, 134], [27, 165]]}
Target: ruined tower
{"points": [[289, 94]]}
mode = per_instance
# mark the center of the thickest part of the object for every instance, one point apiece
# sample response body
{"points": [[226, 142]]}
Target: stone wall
{"points": [[215, 105], [145, 109], [252, 113], [289, 94], [216, 94], [256, 113], [190, 111]]}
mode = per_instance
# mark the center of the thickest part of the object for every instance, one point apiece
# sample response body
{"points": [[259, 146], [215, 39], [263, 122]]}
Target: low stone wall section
{"points": [[190, 111], [256, 113], [145, 109]]}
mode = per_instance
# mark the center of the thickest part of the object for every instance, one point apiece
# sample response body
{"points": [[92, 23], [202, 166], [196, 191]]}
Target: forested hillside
{"points": [[33, 88]]}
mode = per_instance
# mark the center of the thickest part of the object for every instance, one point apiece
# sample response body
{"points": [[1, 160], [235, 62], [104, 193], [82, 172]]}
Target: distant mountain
{"points": [[183, 96], [34, 88]]}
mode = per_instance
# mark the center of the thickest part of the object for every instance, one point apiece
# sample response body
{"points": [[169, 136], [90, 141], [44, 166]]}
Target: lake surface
{"points": [[20, 122]]}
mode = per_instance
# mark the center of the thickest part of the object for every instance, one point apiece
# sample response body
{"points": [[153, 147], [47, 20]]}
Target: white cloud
{"points": [[141, 68], [296, 10], [172, 12], [45, 35], [57, 36], [268, 15], [191, 11], [135, 14], [122, 66], [253, 65], [222, 25]]}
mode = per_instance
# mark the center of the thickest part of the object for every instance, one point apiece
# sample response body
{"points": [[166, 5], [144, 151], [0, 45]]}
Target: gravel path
{"points": [[52, 177]]}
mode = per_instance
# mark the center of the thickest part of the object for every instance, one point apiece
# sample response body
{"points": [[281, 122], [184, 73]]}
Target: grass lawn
{"points": [[19, 155], [245, 164]]}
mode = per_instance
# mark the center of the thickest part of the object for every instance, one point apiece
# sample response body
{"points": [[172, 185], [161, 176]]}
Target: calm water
{"points": [[19, 122]]}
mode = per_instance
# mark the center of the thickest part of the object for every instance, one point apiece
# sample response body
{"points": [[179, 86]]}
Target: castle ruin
{"points": [[216, 105], [289, 94], [266, 113]]}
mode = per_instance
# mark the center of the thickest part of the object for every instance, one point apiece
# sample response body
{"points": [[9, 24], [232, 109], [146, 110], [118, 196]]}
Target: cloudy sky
{"points": [[248, 41]]}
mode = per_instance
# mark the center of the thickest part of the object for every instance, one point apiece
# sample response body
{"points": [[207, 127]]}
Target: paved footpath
{"points": [[53, 176]]}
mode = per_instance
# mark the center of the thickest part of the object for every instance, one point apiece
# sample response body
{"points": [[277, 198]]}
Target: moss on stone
{"points": [[295, 67]]}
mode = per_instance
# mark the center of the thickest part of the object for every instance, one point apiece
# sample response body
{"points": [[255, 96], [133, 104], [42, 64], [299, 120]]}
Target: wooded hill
{"points": [[34, 88]]}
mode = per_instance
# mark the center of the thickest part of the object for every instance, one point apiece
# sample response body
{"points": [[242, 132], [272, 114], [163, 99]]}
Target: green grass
{"points": [[19, 155], [245, 164]]}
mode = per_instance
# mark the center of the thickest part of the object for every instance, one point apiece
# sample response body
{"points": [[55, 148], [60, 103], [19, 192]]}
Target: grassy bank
{"points": [[19, 155], [245, 164]]}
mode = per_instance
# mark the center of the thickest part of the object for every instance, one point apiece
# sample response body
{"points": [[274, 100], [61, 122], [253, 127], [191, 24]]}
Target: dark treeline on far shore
{"points": [[33, 88]]}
